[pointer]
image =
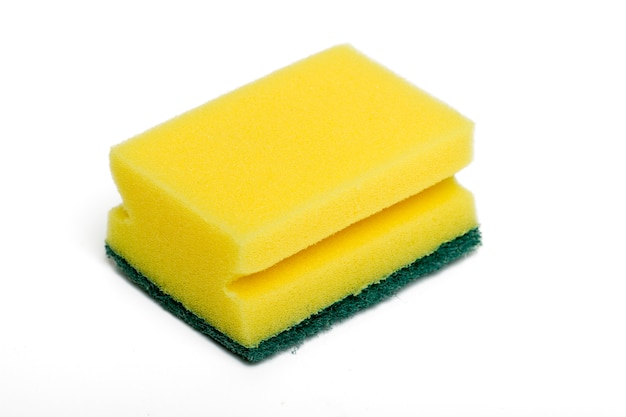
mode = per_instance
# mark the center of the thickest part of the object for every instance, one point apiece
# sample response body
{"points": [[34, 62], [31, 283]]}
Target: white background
{"points": [[533, 324]]}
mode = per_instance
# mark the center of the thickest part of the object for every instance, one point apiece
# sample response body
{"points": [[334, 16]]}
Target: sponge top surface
{"points": [[303, 137]]}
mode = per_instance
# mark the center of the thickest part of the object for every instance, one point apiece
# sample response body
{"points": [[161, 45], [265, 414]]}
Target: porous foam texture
{"points": [[288, 160], [262, 208]]}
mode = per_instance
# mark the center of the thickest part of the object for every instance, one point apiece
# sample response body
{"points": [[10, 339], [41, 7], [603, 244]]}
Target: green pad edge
{"points": [[324, 319]]}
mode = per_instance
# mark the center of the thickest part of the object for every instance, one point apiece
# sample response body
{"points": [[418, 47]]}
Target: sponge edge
{"points": [[253, 308], [447, 253]]}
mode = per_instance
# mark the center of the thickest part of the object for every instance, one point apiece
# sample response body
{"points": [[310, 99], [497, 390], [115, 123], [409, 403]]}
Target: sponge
{"points": [[288, 202]]}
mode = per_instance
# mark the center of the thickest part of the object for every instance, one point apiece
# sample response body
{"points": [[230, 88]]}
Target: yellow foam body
{"points": [[271, 202]]}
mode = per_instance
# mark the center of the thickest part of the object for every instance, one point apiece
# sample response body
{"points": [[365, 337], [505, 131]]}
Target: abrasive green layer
{"points": [[323, 320]]}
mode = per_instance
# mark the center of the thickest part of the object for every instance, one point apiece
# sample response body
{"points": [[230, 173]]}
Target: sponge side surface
{"points": [[294, 157], [347, 262], [251, 308]]}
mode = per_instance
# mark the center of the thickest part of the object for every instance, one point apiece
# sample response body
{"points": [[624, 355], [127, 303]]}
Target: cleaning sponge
{"points": [[258, 210]]}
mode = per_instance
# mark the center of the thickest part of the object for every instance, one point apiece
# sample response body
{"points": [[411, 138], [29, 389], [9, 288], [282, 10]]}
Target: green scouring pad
{"points": [[294, 336]]}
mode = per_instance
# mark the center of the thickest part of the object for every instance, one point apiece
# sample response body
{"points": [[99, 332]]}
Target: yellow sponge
{"points": [[264, 206]]}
